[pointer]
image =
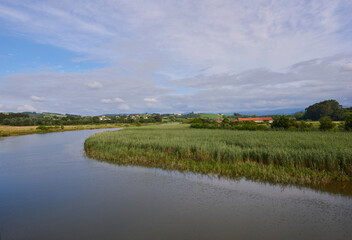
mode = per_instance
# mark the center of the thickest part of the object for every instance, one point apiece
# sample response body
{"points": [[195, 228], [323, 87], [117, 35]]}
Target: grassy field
{"points": [[317, 159], [212, 116], [24, 130]]}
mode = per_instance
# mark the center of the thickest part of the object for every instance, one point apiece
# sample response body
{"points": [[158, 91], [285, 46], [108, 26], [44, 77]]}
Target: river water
{"points": [[50, 190]]}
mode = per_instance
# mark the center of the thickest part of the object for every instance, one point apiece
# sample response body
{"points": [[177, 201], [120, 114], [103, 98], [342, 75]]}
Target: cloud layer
{"points": [[168, 56]]}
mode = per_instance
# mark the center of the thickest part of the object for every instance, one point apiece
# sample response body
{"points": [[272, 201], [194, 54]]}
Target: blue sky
{"points": [[21, 55], [164, 56]]}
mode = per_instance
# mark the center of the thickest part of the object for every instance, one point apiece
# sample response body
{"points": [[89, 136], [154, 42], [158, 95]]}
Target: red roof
{"points": [[219, 121], [256, 119]]}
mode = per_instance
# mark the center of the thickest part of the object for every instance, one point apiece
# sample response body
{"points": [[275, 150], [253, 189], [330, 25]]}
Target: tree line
{"points": [[21, 119], [280, 123], [326, 111]]}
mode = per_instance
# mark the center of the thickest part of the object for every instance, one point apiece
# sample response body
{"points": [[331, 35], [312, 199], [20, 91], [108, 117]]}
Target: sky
{"points": [[221, 56]]}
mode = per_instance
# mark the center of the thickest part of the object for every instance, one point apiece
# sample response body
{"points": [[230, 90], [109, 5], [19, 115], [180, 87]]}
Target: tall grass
{"points": [[277, 156]]}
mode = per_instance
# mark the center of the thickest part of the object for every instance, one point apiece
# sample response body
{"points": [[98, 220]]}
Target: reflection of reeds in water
{"points": [[304, 158]]}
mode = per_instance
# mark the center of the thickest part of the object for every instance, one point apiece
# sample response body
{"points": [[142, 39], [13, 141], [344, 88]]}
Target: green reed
{"points": [[276, 156]]}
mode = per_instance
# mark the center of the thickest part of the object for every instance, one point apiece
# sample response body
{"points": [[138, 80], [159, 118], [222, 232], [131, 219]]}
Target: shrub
{"points": [[292, 129], [326, 123], [348, 122], [196, 125], [281, 122], [261, 127], [303, 124], [43, 128]]}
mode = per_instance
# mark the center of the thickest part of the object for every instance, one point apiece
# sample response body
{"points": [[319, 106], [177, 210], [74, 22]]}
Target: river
{"points": [[50, 190]]}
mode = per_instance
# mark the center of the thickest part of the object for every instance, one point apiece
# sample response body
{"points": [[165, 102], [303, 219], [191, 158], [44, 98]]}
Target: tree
{"points": [[96, 119], [281, 122], [326, 123], [157, 118], [299, 115], [330, 108], [226, 120], [348, 122]]}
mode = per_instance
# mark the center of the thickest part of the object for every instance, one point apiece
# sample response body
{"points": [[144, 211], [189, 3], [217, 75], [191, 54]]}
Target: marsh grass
{"points": [[303, 158]]}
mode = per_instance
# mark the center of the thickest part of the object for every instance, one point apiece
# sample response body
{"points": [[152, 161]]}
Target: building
{"points": [[256, 119]]}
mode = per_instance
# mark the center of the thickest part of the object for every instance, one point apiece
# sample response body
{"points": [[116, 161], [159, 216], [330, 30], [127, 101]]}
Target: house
{"points": [[103, 118], [256, 119], [218, 121]]}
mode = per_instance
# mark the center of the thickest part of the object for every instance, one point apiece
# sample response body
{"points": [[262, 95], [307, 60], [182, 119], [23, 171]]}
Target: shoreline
{"points": [[10, 131], [103, 147]]}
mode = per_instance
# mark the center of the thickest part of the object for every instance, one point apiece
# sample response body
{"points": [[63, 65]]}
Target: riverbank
{"points": [[317, 159], [6, 131]]}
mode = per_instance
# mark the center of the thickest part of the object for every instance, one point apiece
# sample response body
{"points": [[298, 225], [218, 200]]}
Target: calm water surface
{"points": [[49, 190]]}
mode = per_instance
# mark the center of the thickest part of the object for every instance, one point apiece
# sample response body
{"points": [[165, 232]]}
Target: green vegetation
{"points": [[211, 116], [326, 123], [6, 131], [316, 159], [284, 122], [46, 119], [348, 122], [280, 123], [45, 128], [328, 108], [227, 124], [45, 114]]}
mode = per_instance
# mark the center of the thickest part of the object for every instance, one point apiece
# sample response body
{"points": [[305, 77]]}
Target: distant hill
{"points": [[44, 114], [288, 111]]}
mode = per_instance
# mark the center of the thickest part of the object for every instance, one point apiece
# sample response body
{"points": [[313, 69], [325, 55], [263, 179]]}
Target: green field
{"points": [[212, 116], [318, 159]]}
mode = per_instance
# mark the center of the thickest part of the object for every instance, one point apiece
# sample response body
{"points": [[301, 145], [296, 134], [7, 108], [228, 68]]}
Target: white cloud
{"points": [[119, 100], [13, 14], [26, 108], [124, 107], [115, 100], [1, 105], [94, 85], [106, 100], [38, 99], [347, 67], [300, 85], [213, 35], [221, 55], [148, 99]]}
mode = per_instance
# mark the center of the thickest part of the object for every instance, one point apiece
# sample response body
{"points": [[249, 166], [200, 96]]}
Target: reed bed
{"points": [[303, 158]]}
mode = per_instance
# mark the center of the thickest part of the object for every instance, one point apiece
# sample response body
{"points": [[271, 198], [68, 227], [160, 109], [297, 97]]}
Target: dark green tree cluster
{"points": [[12, 115], [328, 108], [284, 122]]}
